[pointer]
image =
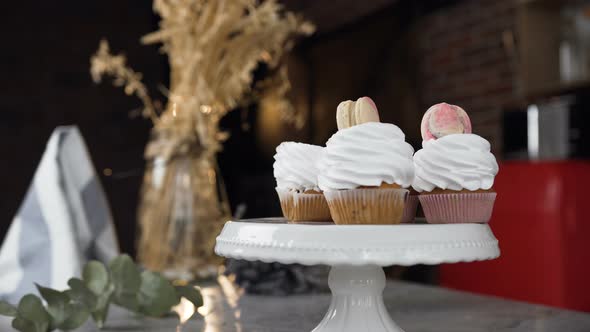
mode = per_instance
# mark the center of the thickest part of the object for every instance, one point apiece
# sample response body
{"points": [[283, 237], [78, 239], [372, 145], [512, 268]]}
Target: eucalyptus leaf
{"points": [[126, 300], [190, 293], [101, 310], [57, 305], [23, 325], [156, 295], [7, 309], [52, 296], [148, 293], [78, 315], [127, 280], [96, 276], [31, 315], [97, 280], [80, 293], [69, 294]]}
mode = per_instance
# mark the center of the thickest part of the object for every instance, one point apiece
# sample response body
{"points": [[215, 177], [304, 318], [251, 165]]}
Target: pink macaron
{"points": [[444, 119]]}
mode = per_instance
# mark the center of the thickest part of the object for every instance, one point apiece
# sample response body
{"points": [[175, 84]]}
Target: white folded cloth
{"points": [[63, 221]]}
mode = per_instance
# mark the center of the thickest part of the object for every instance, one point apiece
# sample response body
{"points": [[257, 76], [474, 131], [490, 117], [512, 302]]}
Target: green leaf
{"points": [[7, 309], [95, 276], [126, 279], [97, 280], [156, 295], [78, 316], [190, 293], [31, 315], [127, 300], [69, 294], [52, 296], [99, 314], [57, 305], [23, 325], [31, 308], [65, 314], [80, 293]]}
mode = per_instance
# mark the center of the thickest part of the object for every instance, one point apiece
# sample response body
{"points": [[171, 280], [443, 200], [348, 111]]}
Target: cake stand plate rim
{"points": [[273, 240]]}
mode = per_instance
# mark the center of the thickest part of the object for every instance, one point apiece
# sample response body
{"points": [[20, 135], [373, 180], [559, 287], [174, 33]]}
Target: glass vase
{"points": [[182, 209]]}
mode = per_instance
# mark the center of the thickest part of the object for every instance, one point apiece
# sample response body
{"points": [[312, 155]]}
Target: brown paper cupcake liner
{"points": [[366, 206], [303, 206], [286, 199], [310, 207], [410, 208], [458, 208]]}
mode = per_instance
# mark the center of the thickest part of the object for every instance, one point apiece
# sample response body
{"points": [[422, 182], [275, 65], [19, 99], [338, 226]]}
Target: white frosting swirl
{"points": [[366, 155], [295, 166], [455, 162]]}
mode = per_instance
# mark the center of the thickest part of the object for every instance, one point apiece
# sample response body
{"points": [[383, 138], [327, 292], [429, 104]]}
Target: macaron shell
{"points": [[466, 121], [444, 119], [426, 134], [370, 101], [365, 111], [343, 114]]}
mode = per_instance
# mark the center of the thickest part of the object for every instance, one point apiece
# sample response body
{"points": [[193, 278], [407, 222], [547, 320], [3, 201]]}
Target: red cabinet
{"points": [[542, 220]]}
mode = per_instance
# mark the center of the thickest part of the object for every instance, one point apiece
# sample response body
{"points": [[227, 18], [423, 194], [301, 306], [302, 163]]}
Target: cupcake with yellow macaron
{"points": [[366, 167]]}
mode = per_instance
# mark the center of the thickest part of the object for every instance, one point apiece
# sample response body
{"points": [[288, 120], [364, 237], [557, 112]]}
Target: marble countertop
{"points": [[416, 308]]}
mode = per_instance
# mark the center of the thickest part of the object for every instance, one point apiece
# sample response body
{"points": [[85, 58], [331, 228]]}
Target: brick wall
{"points": [[462, 60]]}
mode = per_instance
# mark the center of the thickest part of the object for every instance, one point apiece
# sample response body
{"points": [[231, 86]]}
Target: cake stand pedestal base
{"points": [[356, 254], [357, 301]]}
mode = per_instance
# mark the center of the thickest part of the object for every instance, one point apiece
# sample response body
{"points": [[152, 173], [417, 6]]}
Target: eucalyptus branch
{"points": [[146, 293]]}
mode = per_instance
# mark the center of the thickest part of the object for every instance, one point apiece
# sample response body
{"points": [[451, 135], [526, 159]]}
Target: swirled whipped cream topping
{"points": [[296, 166], [455, 162], [366, 155]]}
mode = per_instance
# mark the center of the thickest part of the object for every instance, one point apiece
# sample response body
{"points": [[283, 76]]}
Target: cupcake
{"points": [[295, 170], [454, 170], [365, 167], [411, 206]]}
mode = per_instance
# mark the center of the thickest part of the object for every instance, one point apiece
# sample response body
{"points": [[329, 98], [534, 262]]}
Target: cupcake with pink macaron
{"points": [[454, 170]]}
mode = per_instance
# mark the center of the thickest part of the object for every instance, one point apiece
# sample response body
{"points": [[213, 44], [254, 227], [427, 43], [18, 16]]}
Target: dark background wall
{"points": [[464, 58], [44, 61], [407, 55]]}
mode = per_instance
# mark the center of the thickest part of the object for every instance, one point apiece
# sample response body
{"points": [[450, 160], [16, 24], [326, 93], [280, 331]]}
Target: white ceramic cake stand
{"points": [[356, 254]]}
